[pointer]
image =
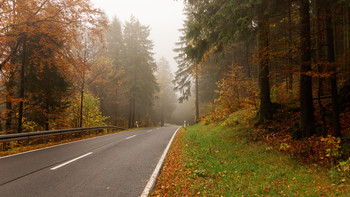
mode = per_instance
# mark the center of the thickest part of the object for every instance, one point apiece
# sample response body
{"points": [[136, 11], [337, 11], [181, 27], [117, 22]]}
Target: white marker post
{"points": [[184, 123]]}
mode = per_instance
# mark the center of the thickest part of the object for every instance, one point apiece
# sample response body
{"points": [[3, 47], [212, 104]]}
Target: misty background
{"points": [[166, 19]]}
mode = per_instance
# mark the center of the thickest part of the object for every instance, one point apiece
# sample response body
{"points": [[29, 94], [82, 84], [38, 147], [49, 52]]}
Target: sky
{"points": [[165, 18]]}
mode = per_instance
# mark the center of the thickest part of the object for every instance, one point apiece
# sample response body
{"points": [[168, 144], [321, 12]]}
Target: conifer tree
{"points": [[139, 68]]}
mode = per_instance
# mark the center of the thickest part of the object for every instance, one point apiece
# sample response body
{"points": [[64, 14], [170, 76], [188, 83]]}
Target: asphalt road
{"points": [[113, 165]]}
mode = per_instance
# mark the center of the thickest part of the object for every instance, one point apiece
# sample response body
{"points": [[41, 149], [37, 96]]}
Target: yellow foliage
{"points": [[284, 147], [344, 166], [236, 91], [332, 146], [29, 126]]}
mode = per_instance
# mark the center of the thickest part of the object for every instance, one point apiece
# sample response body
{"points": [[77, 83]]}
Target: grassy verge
{"points": [[223, 161]]}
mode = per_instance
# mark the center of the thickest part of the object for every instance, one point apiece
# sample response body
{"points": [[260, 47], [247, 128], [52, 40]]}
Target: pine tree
{"points": [[165, 103], [139, 67], [307, 120]]}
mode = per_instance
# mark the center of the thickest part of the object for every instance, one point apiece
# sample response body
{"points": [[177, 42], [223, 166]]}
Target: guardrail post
{"points": [[45, 140], [27, 141]]}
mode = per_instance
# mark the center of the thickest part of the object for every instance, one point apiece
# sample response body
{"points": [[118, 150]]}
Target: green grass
{"points": [[224, 161]]}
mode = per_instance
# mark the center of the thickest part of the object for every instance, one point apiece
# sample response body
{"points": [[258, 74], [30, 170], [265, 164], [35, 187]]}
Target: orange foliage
{"points": [[51, 32], [236, 91], [313, 149], [173, 172], [316, 149], [54, 23]]}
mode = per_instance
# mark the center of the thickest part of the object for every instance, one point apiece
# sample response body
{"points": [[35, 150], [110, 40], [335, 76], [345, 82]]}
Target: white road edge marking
{"points": [[156, 171], [70, 161], [130, 137]]}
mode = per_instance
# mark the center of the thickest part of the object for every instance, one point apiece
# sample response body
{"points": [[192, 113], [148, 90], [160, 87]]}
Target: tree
{"points": [[139, 68], [331, 60], [115, 45], [213, 24], [92, 115], [90, 55], [265, 112], [114, 38], [261, 33], [165, 103], [54, 25], [190, 49], [307, 120], [236, 91], [46, 103]]}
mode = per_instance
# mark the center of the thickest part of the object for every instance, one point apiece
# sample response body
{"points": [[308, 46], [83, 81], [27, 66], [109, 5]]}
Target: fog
{"points": [[119, 80], [165, 18]]}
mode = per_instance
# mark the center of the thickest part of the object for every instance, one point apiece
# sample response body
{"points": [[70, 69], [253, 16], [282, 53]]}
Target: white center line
{"points": [[68, 162], [130, 137], [149, 131]]}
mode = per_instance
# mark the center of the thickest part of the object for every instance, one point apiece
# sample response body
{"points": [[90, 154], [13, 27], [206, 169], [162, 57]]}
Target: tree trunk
{"points": [[197, 95], [307, 120], [133, 112], [162, 116], [82, 101], [290, 40], [331, 59], [132, 98], [8, 124], [47, 119], [130, 110], [249, 75], [9, 113], [320, 58], [347, 41], [116, 104], [21, 89], [321, 53], [10, 86], [132, 105], [265, 112]]}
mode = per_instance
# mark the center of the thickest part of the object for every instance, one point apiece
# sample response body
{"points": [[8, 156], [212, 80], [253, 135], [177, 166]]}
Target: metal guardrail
{"points": [[59, 132]]}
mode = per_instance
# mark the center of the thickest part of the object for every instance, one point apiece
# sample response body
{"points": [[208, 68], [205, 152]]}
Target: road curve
{"points": [[113, 165]]}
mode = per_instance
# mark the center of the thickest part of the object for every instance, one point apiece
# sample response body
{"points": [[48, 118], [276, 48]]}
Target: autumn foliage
{"points": [[236, 91], [39, 40], [287, 60]]}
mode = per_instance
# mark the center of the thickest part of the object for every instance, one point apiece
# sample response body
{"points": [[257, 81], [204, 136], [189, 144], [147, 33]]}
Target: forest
{"points": [[64, 64], [288, 61], [261, 88]]}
